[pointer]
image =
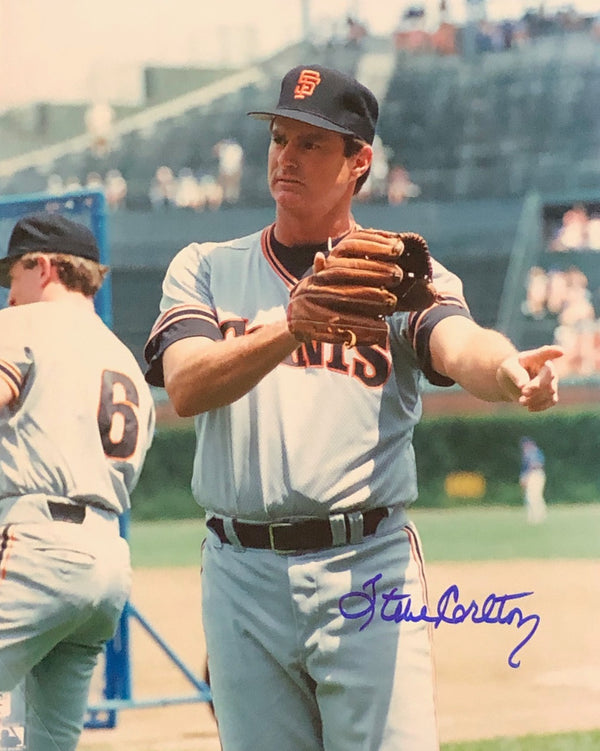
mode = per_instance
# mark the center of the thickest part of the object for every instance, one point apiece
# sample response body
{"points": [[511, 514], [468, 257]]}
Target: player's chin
{"points": [[287, 192]]}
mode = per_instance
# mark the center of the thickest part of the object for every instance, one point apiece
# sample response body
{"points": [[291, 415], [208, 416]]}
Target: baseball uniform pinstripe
{"points": [[72, 444], [327, 431]]}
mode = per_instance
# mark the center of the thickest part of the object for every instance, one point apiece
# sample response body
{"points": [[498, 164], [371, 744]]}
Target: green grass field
{"points": [[474, 533], [561, 742]]}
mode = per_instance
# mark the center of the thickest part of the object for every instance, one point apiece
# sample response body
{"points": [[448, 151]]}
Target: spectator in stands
{"points": [[577, 325], [210, 193], [556, 290], [577, 306], [443, 40], [231, 160], [508, 31], [494, 37], [94, 180], [581, 348], [537, 293], [566, 295], [400, 186], [99, 123], [414, 16], [568, 289], [115, 186], [186, 190], [412, 35], [162, 188], [73, 183], [521, 35], [593, 232], [572, 234], [355, 32], [483, 38]]}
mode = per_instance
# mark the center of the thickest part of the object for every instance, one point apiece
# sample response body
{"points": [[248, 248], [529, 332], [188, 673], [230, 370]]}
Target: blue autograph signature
{"points": [[398, 607]]}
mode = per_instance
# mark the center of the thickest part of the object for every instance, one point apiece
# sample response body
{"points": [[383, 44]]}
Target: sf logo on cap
{"points": [[308, 80]]}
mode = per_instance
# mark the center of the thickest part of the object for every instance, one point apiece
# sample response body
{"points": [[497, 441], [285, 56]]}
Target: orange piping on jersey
{"points": [[415, 319], [12, 376], [417, 553], [272, 259], [418, 556], [274, 262], [7, 541]]}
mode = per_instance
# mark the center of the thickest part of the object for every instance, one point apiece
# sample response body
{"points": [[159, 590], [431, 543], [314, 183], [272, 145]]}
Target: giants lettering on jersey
{"points": [[370, 365]]}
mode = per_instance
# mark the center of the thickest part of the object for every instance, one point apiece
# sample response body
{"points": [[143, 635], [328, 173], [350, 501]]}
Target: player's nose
{"points": [[288, 155]]}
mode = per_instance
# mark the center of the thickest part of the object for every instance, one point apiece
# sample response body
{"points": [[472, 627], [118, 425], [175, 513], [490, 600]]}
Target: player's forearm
{"points": [[206, 377], [477, 373], [471, 356]]}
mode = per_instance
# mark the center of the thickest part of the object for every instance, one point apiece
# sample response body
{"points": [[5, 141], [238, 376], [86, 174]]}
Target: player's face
{"points": [[307, 169], [25, 284]]}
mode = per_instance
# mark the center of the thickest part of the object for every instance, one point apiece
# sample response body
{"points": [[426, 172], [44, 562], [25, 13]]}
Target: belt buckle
{"points": [[274, 548]]}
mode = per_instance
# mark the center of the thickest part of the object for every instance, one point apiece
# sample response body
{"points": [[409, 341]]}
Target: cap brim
{"points": [[303, 117]]}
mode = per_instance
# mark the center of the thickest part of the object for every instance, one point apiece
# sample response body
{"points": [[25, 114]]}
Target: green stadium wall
{"points": [[484, 444]]}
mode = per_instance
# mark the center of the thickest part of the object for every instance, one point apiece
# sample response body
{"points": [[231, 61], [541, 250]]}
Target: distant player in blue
{"points": [[76, 420], [533, 480], [304, 459]]}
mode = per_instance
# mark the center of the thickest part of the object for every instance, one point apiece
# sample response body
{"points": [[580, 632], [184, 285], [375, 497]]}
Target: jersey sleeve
{"points": [[186, 307], [15, 356], [420, 324]]}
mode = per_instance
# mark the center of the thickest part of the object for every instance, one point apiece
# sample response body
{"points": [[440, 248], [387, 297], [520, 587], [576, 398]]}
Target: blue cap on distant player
{"points": [[328, 99], [47, 233]]}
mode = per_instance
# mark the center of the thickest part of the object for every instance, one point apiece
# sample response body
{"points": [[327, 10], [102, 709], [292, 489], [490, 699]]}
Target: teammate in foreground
{"points": [[76, 420], [304, 458]]}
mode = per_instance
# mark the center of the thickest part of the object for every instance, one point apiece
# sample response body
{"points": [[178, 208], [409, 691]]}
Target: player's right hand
{"points": [[530, 378]]}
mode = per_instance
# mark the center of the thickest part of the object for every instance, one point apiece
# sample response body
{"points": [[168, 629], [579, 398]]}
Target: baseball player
{"points": [[76, 420], [304, 460], [533, 480]]}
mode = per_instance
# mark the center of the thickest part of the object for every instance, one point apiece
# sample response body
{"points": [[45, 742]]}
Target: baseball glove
{"points": [[370, 274]]}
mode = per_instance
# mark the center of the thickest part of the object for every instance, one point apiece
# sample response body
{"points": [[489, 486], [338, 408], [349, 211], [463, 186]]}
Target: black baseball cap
{"points": [[328, 99], [47, 233]]}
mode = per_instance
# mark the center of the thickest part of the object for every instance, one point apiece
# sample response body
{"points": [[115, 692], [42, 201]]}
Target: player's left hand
{"points": [[368, 275], [530, 378]]}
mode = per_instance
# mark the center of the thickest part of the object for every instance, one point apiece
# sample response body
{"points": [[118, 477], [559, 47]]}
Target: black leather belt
{"points": [[294, 537], [66, 512]]}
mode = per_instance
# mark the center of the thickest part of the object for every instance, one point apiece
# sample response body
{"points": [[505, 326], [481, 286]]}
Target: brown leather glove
{"points": [[370, 274]]}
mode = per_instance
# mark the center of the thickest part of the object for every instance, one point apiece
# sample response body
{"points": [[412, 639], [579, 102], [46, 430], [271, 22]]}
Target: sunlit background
{"points": [[77, 49]]}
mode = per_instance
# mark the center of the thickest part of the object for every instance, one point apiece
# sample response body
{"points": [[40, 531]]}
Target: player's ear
{"points": [[45, 269], [362, 160]]}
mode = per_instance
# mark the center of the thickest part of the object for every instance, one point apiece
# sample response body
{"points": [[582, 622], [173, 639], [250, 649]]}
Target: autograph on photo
{"points": [[392, 606]]}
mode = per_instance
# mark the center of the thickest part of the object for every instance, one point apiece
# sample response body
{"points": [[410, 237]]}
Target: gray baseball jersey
{"points": [[72, 443], [329, 430], [83, 415], [274, 453]]}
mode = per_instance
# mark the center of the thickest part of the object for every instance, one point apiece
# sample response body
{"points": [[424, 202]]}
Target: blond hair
{"points": [[75, 273]]}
